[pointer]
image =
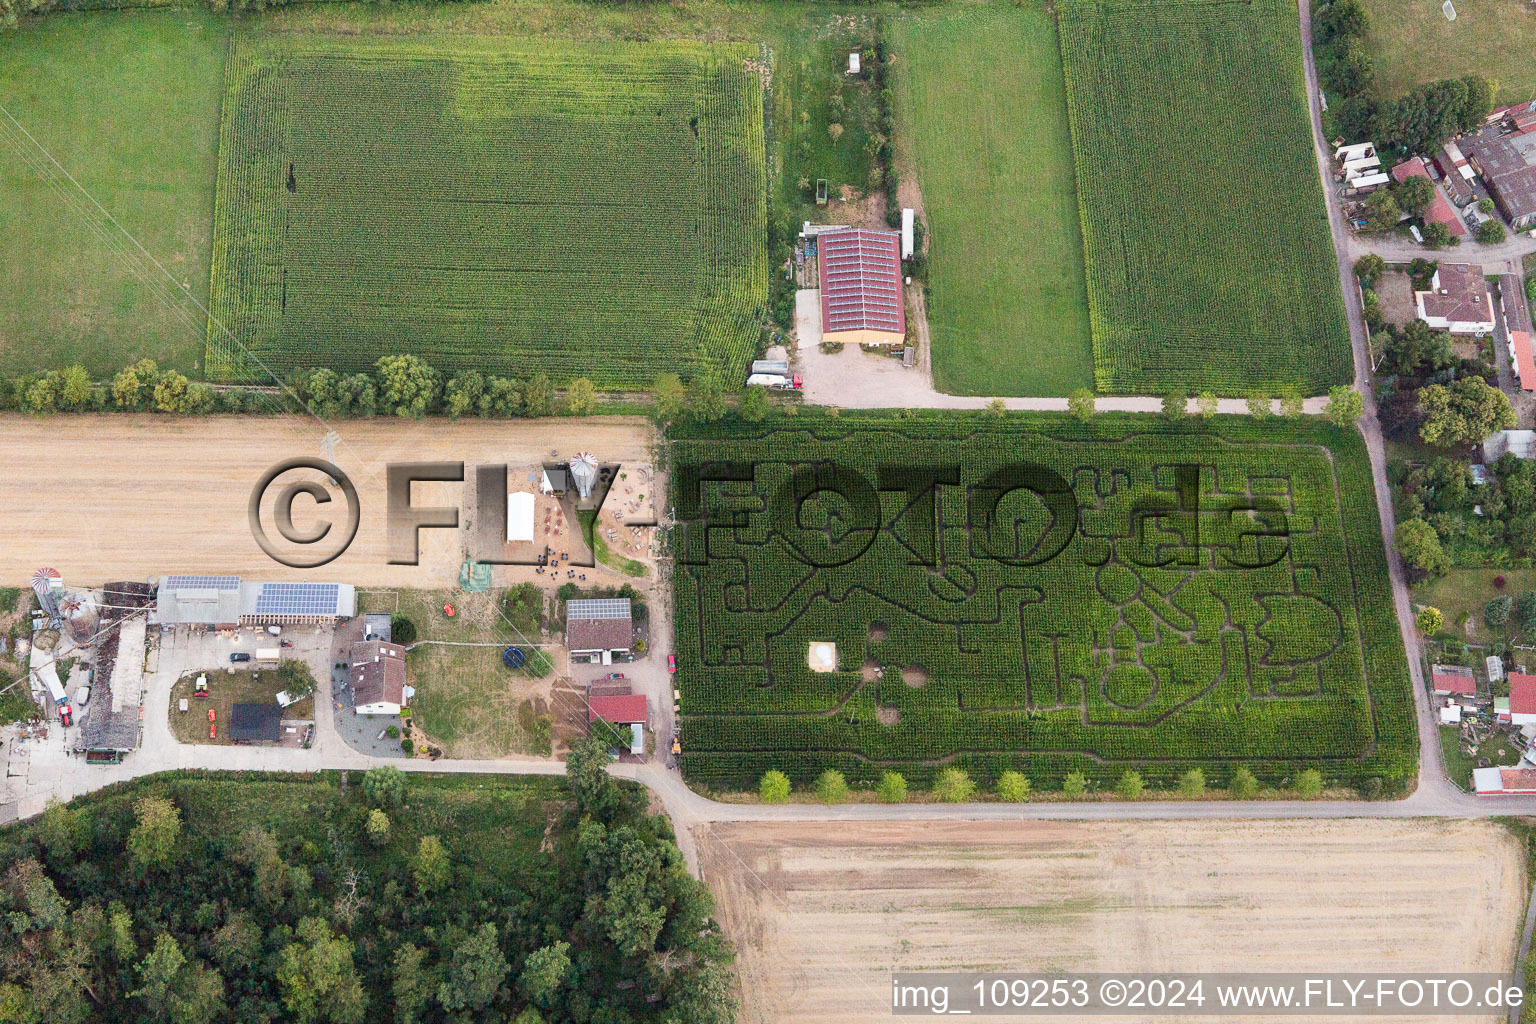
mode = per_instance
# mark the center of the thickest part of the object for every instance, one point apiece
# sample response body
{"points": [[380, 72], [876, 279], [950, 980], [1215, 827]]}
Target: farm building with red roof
{"points": [[1522, 698], [1525, 365], [1449, 679], [1440, 210], [619, 710], [1504, 781], [861, 297]]}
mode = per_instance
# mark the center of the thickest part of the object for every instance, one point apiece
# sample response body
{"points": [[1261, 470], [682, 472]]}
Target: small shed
{"points": [[255, 723], [855, 63]]}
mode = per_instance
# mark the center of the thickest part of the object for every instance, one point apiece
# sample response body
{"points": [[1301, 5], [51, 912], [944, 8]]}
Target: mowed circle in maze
{"points": [[580, 210], [1002, 597]]}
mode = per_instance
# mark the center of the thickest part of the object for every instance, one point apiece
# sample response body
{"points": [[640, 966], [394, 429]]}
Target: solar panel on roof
{"points": [[201, 583], [600, 608], [297, 599]]}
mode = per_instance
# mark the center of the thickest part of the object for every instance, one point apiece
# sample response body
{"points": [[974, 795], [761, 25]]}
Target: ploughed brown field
{"points": [[128, 497], [822, 912]]}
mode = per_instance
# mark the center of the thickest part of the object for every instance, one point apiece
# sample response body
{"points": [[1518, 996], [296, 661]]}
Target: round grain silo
{"points": [[80, 614]]}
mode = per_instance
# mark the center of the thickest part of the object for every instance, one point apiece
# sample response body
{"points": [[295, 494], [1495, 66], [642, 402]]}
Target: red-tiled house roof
{"points": [[621, 710], [1522, 694], [1440, 210], [1525, 364], [861, 281]]}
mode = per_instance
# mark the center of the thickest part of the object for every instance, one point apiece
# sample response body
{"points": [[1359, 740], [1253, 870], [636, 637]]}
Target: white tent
{"points": [[520, 516]]}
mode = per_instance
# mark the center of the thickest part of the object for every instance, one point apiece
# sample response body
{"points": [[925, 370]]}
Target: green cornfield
{"points": [[1034, 594], [593, 210], [1209, 258]]}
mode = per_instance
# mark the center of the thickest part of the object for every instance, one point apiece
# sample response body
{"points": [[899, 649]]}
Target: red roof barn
{"points": [[861, 298], [622, 710], [1453, 679]]}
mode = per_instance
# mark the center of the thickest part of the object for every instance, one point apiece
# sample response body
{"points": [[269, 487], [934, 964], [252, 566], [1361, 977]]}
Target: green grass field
{"points": [[1008, 312], [129, 106], [582, 210], [1138, 597], [1210, 263], [1412, 43]]}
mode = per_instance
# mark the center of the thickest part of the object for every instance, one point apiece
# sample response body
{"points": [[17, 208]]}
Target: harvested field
{"points": [[117, 497], [851, 902]]}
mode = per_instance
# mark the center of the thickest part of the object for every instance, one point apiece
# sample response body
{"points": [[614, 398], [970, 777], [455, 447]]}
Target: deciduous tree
{"points": [[773, 788], [1466, 412]]}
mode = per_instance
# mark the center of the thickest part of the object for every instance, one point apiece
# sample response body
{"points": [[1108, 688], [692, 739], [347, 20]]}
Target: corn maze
{"points": [[1206, 238], [580, 210], [1045, 596]]}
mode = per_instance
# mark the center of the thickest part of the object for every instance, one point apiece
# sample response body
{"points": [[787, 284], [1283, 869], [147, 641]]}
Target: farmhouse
{"points": [[376, 673], [861, 295], [255, 723], [1452, 679], [1506, 165], [598, 629], [1457, 300], [1440, 210], [224, 602], [1522, 699]]}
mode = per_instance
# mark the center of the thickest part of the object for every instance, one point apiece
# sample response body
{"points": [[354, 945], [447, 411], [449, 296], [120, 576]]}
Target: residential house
{"points": [[376, 673], [598, 629], [1457, 300]]}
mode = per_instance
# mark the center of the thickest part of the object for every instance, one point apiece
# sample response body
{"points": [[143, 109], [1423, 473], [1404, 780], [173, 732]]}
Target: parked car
{"points": [[671, 663], [615, 675], [238, 657]]}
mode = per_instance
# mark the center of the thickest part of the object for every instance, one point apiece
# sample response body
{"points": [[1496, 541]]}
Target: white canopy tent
{"points": [[520, 516]]}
